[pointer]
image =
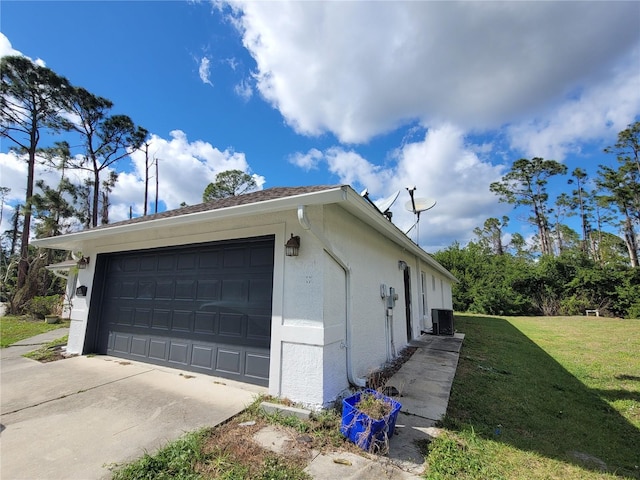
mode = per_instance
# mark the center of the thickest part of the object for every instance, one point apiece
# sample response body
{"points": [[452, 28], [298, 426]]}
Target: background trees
{"points": [[35, 103], [228, 184], [31, 99], [558, 270]]}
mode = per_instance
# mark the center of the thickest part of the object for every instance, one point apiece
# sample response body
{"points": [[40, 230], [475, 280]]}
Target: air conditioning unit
{"points": [[442, 321]]}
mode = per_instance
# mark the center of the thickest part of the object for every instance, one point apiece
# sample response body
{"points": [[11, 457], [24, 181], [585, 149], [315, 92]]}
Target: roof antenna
{"points": [[417, 206], [385, 204]]}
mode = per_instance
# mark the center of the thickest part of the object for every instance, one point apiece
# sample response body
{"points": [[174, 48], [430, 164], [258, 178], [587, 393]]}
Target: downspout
{"points": [[304, 222]]}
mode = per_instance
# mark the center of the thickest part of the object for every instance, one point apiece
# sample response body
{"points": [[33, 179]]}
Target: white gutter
{"points": [[72, 241], [362, 210], [304, 222], [348, 198], [61, 270]]}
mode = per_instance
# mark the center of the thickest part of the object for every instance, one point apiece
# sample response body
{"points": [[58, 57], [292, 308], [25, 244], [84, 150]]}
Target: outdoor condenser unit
{"points": [[442, 321]]}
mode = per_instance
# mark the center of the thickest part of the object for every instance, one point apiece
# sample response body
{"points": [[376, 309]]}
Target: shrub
{"points": [[39, 307]]}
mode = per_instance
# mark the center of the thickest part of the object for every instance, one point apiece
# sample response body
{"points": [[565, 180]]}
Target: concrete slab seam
{"points": [[74, 393]]}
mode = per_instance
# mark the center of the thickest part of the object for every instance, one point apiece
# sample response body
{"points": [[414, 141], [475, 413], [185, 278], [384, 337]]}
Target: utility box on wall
{"points": [[442, 321]]}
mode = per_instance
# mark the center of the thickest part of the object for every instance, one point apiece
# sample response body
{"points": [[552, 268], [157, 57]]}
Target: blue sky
{"points": [[379, 95]]}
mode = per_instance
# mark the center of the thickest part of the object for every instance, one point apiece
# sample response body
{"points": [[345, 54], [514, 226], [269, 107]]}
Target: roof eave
{"points": [[74, 241], [363, 210]]}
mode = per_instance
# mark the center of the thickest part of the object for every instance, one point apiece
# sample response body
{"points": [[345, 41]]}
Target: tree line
{"points": [[37, 105], [559, 270]]}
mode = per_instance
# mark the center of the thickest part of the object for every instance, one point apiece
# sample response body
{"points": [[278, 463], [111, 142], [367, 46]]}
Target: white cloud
{"points": [[359, 69], [185, 169], [14, 175], [441, 167], [307, 161], [204, 70], [600, 110], [6, 49], [244, 90]]}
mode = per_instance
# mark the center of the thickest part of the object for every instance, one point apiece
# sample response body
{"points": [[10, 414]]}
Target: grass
{"points": [[227, 452], [49, 352], [548, 397], [533, 398], [13, 329]]}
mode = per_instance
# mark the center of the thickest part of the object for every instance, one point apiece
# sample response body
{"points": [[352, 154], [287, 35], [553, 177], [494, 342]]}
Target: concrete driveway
{"points": [[77, 417]]}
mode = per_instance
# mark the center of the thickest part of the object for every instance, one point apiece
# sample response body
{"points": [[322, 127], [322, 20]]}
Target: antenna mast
{"points": [[417, 206]]}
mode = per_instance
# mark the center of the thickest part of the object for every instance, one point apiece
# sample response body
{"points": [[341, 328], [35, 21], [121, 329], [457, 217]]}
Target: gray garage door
{"points": [[205, 308]]}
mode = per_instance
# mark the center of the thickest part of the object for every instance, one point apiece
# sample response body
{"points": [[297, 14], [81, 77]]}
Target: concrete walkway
{"points": [[424, 383], [75, 418], [16, 350]]}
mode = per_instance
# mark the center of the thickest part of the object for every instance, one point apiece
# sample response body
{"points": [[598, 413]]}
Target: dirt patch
{"points": [[378, 379], [48, 354], [235, 442]]}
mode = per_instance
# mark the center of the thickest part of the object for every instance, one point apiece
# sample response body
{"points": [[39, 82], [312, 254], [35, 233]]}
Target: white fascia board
{"points": [[359, 207], [74, 241]]}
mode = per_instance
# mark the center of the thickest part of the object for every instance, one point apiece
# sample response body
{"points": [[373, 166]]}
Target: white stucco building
{"points": [[210, 288]]}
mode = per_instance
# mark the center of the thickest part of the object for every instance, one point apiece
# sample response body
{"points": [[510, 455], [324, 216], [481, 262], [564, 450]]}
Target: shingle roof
{"points": [[245, 199]]}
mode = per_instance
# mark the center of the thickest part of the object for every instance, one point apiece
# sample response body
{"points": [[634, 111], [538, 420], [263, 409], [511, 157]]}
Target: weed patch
{"points": [[49, 352], [460, 457]]}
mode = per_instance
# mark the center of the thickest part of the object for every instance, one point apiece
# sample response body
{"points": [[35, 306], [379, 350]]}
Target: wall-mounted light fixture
{"points": [[292, 247], [402, 265], [83, 262]]}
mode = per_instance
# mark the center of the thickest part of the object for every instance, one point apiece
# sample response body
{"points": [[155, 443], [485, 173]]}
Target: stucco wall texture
{"points": [[327, 305]]}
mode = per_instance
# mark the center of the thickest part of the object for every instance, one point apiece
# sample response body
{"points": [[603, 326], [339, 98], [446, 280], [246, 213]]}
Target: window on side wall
{"points": [[423, 292]]}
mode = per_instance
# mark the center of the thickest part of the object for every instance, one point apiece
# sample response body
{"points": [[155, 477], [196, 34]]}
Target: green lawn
{"points": [[533, 398], [544, 397], [14, 329]]}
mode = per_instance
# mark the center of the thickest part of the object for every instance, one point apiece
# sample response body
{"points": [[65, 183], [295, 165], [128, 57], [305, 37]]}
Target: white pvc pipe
{"points": [[304, 222]]}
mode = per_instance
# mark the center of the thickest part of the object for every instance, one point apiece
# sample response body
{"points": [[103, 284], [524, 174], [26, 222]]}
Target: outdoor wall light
{"points": [[83, 262], [292, 247], [402, 265]]}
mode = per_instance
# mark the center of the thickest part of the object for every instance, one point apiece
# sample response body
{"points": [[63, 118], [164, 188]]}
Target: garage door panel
{"points": [[228, 361], [164, 289], [182, 321], [139, 346], [130, 264], [187, 261], [209, 260], [257, 365], [161, 319], [166, 262], [260, 291], [146, 289], [179, 352], [202, 307], [124, 316], [259, 329], [205, 323], [185, 289], [202, 356], [234, 258], [233, 289], [158, 349], [121, 343], [261, 257], [208, 290], [230, 324], [128, 290], [142, 317]]}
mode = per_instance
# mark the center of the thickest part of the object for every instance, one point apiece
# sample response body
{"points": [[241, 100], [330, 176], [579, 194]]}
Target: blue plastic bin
{"points": [[361, 429]]}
